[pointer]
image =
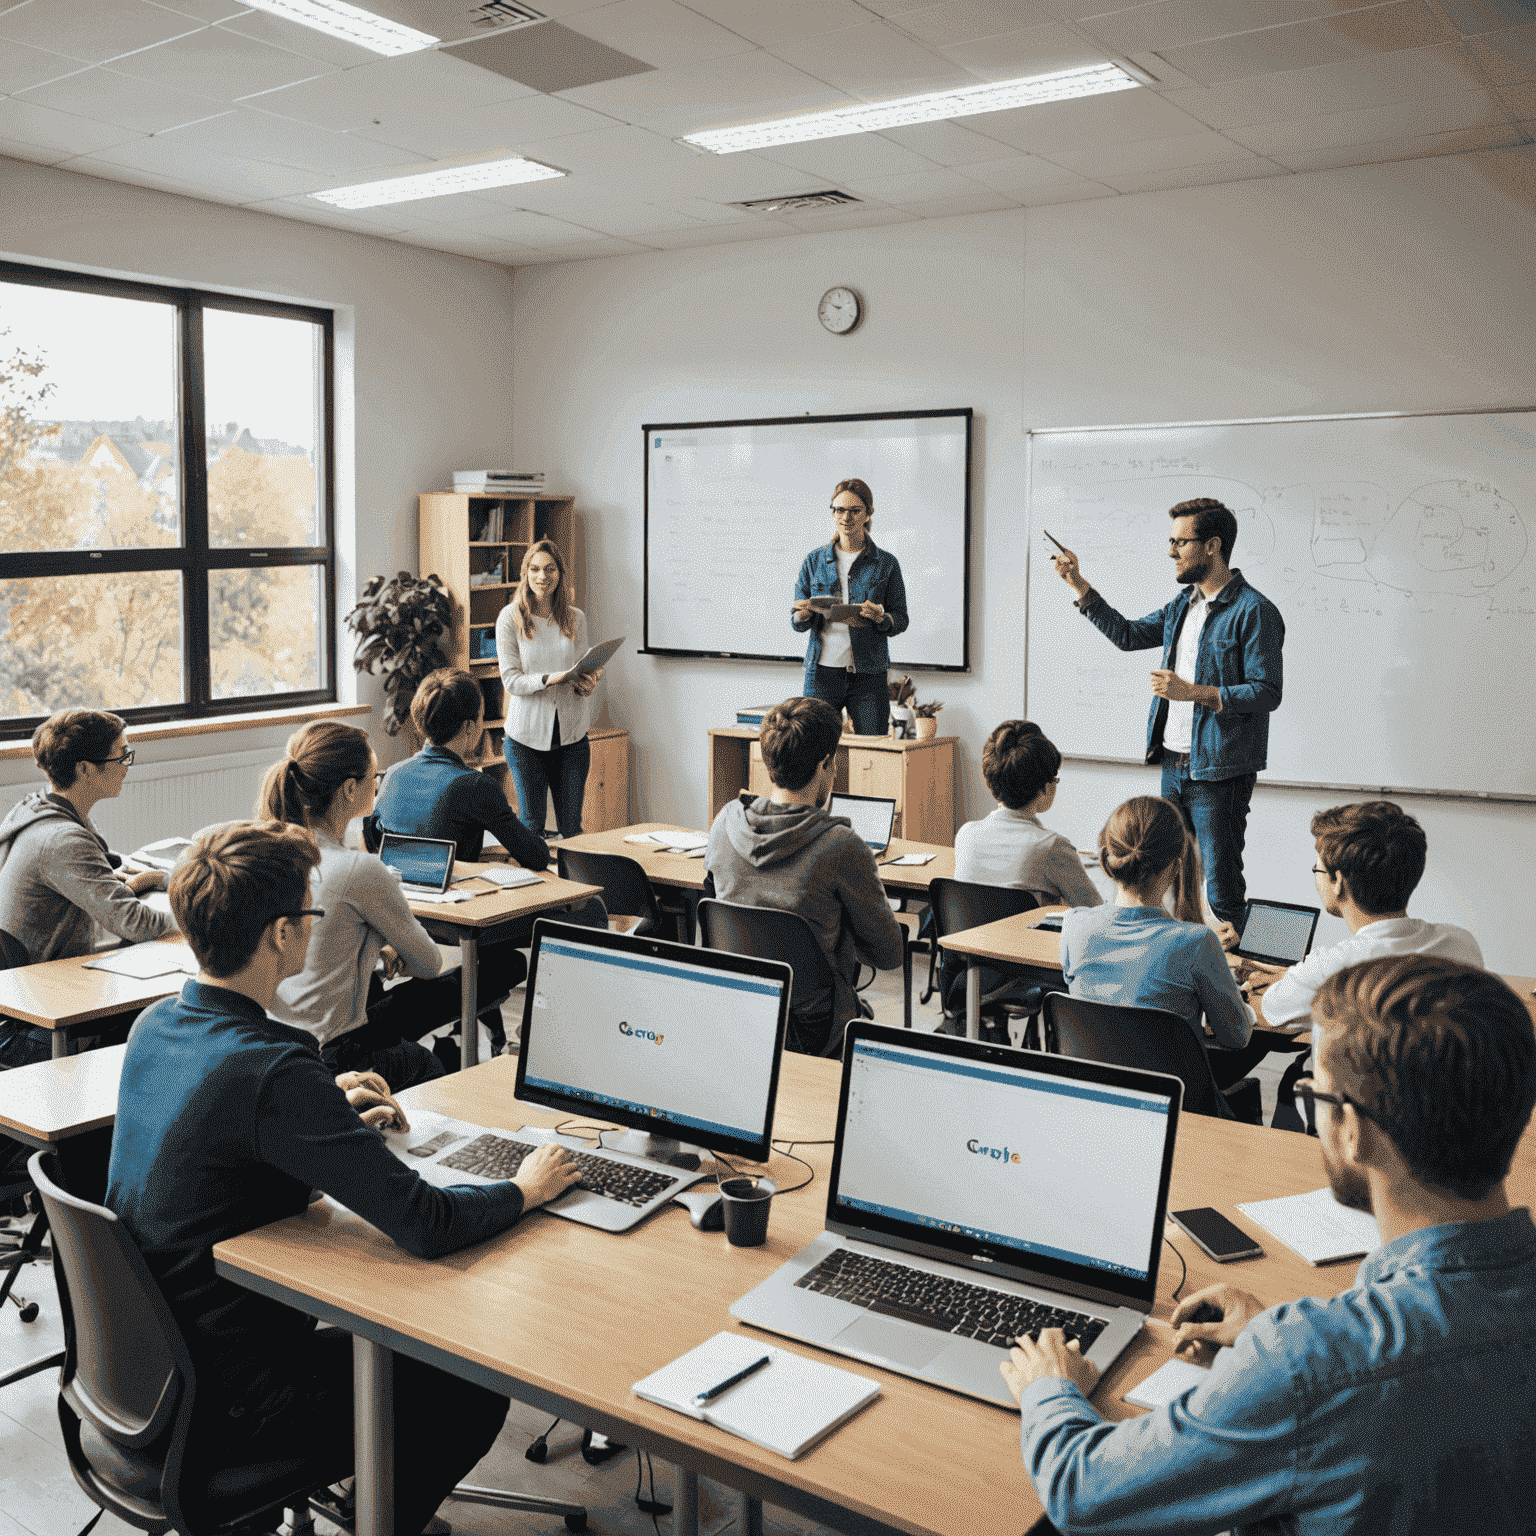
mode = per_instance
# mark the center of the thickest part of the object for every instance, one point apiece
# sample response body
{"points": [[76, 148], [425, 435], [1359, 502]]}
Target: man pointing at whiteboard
{"points": [[1220, 678]]}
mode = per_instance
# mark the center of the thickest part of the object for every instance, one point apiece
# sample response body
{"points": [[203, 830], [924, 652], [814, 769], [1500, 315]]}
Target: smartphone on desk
{"points": [[1049, 925], [1217, 1236]]}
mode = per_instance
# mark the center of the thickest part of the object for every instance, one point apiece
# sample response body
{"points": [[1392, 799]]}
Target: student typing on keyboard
{"points": [[226, 1121]]}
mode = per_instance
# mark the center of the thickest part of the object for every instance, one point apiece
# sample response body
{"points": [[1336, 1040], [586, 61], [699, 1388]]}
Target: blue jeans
{"points": [[864, 694], [1216, 811], [535, 773]]}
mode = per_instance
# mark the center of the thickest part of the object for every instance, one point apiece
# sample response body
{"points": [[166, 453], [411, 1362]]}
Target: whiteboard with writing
{"points": [[732, 508], [1396, 548]]}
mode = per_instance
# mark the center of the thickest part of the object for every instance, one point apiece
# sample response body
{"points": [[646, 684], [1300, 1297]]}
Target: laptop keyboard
{"points": [[499, 1157], [936, 1301]]}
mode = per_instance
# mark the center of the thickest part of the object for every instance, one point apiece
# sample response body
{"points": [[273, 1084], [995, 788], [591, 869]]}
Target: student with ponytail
{"points": [[1138, 953]]}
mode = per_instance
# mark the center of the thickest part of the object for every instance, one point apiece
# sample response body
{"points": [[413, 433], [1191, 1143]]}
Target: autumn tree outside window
{"points": [[166, 501]]}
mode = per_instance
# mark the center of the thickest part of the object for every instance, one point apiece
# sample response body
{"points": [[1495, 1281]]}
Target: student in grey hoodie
{"points": [[785, 851]]}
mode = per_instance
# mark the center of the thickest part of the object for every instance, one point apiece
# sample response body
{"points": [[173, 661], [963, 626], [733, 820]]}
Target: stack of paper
{"points": [[161, 855], [673, 842], [1316, 1226], [512, 480], [508, 876]]}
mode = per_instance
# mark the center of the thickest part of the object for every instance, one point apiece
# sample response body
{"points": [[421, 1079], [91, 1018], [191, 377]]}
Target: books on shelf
{"points": [[498, 480], [752, 714]]}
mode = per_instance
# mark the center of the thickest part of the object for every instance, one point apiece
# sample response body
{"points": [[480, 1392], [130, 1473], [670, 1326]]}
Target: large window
{"points": [[166, 482]]}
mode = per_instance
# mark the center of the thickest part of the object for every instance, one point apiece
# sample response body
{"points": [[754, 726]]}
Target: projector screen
{"points": [[732, 508]]}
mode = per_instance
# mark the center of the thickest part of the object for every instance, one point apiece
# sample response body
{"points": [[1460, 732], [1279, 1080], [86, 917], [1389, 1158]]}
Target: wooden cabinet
{"points": [[918, 775], [476, 545]]}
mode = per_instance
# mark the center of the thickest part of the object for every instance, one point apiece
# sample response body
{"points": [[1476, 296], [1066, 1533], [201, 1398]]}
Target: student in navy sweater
{"points": [[226, 1121]]}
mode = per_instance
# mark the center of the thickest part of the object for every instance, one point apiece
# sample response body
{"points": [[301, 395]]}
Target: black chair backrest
{"points": [[13, 952], [1154, 1039], [626, 890], [961, 904]]}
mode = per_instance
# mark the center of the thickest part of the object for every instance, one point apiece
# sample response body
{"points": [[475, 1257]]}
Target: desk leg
{"points": [[685, 1503], [469, 981], [750, 1520], [373, 1431], [906, 980], [59, 1044], [972, 998]]}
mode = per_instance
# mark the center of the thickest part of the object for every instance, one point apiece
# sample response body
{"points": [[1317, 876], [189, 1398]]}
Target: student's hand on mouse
{"points": [[1167, 684], [1053, 1356], [547, 1172], [390, 962], [1066, 568], [1210, 1320]]}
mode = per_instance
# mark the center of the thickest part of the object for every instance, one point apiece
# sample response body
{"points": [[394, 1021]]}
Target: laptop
{"points": [[872, 816], [978, 1193], [424, 864], [1277, 932]]}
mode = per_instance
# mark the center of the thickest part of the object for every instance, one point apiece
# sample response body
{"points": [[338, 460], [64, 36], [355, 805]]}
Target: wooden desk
{"points": [[920, 1461], [484, 920], [918, 775]]}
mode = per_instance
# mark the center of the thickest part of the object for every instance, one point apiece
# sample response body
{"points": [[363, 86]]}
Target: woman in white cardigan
{"points": [[540, 636]]}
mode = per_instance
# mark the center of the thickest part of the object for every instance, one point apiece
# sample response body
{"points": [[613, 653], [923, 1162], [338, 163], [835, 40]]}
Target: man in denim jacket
{"points": [[1401, 1407], [1212, 697]]}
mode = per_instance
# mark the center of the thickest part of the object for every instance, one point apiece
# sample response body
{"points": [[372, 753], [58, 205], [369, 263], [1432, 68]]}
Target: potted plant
{"points": [[927, 725], [903, 692], [398, 623]]}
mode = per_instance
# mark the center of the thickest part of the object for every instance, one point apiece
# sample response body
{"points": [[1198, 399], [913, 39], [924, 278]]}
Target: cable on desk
{"points": [[787, 1150], [1183, 1267], [651, 1506], [573, 1127]]}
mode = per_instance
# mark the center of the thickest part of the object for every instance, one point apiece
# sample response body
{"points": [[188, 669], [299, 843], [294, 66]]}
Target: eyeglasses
{"points": [[125, 758], [847, 511], [1180, 543], [378, 778], [295, 916], [1317, 869], [1311, 1097]]}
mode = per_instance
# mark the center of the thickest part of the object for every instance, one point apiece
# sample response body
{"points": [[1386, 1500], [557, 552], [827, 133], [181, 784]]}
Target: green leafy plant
{"points": [[927, 711], [398, 623]]}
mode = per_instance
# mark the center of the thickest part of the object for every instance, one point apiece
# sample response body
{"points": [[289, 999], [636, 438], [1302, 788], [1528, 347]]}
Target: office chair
{"points": [[15, 1252], [627, 894], [1155, 1040], [961, 904], [770, 934]]}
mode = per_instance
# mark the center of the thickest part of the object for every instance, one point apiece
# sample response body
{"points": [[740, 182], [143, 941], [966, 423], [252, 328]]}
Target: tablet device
{"points": [[423, 863], [599, 656], [1277, 932]]}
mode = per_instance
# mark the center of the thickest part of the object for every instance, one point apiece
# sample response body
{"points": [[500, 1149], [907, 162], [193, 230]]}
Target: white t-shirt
{"points": [[1179, 728], [836, 647]]}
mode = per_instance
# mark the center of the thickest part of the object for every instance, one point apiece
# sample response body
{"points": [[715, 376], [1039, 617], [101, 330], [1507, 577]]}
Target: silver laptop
{"points": [[424, 864], [872, 816], [978, 1193], [1277, 932]]}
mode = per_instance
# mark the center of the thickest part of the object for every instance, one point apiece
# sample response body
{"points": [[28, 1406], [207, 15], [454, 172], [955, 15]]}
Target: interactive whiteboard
{"points": [[1396, 548], [732, 508]]}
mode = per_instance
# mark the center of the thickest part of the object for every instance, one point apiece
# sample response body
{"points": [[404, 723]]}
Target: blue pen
{"points": [[730, 1381]]}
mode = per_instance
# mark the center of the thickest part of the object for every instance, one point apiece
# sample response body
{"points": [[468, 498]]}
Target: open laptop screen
{"points": [[872, 817], [1277, 932], [423, 861], [1050, 1165]]}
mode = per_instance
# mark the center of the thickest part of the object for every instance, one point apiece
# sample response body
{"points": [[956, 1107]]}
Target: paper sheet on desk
{"points": [[143, 961], [908, 858], [443, 898], [1316, 1226], [676, 842]]}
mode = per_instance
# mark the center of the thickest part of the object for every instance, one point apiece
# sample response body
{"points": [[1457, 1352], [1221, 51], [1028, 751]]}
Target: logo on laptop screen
{"points": [[998, 1154], [641, 1034]]}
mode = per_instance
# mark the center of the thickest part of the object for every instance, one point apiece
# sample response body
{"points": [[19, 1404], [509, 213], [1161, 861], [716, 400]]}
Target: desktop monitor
{"points": [[678, 1042]]}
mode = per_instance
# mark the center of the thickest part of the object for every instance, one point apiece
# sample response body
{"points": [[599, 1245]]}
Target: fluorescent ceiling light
{"points": [[352, 25], [968, 101], [458, 178]]}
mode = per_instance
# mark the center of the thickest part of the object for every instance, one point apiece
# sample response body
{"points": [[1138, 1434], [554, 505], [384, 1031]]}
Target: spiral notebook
{"points": [[787, 1407]]}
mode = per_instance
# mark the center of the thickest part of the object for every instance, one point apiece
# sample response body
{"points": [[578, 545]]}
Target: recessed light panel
{"points": [[968, 101], [444, 183], [338, 19]]}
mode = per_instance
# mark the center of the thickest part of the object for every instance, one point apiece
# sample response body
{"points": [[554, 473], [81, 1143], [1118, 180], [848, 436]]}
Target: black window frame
{"points": [[194, 558]]}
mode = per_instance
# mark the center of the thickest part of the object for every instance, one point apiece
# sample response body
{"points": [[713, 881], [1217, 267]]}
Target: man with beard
{"points": [[1402, 1405], [1212, 697]]}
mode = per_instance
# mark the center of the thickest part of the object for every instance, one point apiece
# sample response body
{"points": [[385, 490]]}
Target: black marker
{"points": [[730, 1381], [1054, 540]]}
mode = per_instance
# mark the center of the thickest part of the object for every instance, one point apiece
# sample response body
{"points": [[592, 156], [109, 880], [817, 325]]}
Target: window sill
{"points": [[170, 729]]}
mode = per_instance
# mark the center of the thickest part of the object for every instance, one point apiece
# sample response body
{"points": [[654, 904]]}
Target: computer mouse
{"points": [[705, 1209], [1206, 1313]]}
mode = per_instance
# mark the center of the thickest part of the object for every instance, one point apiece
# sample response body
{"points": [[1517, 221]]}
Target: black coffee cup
{"points": [[746, 1202]]}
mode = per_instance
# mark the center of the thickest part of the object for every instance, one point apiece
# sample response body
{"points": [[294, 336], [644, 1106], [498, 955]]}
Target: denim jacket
{"points": [[1401, 1407], [875, 576], [1239, 653]]}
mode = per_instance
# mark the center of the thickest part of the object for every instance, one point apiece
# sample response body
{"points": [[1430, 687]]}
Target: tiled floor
{"points": [[38, 1495]]}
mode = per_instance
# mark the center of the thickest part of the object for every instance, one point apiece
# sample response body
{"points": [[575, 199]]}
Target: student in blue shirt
{"points": [[1402, 1406], [226, 1120]]}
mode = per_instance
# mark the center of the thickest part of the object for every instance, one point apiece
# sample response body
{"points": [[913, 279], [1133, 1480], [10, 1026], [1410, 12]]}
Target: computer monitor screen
{"points": [[667, 1038], [872, 817], [425, 861], [1276, 932], [974, 1149]]}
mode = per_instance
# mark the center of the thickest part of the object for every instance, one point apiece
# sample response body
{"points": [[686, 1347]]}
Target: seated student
{"points": [[1402, 1405], [1135, 953], [786, 851], [1370, 856], [326, 779], [226, 1120], [1010, 847]]}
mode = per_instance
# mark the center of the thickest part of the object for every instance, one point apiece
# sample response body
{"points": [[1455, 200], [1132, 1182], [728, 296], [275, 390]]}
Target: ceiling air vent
{"points": [[453, 21], [494, 15], [804, 202]]}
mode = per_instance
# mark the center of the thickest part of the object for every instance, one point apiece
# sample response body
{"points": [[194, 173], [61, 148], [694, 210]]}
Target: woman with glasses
{"points": [[847, 656]]}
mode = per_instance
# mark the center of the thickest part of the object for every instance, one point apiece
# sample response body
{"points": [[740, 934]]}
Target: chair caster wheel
{"points": [[538, 1451], [29, 1312], [576, 1522]]}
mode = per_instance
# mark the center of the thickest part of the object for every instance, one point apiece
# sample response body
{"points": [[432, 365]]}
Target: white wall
{"points": [[1406, 286], [424, 375]]}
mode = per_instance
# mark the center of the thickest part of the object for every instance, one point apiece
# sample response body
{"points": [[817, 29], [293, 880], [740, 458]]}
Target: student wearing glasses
{"points": [[1220, 680], [846, 663], [1402, 1405]]}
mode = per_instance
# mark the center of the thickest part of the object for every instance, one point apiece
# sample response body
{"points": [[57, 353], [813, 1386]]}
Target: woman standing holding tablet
{"points": [[540, 636], [845, 663]]}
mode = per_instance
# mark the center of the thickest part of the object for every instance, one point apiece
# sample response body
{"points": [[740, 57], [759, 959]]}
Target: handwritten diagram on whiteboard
{"points": [[1397, 550]]}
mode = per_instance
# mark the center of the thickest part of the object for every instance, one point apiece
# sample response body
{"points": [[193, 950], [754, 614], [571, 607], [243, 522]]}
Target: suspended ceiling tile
{"points": [[1441, 114], [1418, 147], [721, 234], [206, 10], [1120, 118], [1472, 18], [847, 218], [117, 99], [520, 125], [22, 67], [1179, 23], [873, 61], [944, 143], [662, 32], [1079, 191], [1252, 169], [253, 135], [784, 21], [1508, 56], [1033, 51], [1382, 28], [26, 122], [135, 176], [1109, 162], [218, 64], [703, 211], [93, 30], [35, 154], [590, 250], [454, 208], [968, 21], [279, 32], [1020, 173], [912, 186], [982, 200], [225, 177], [858, 155], [361, 221], [549, 58]]}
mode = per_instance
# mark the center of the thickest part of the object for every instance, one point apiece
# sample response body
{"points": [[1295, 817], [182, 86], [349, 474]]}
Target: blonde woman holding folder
{"points": [[540, 636]]}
